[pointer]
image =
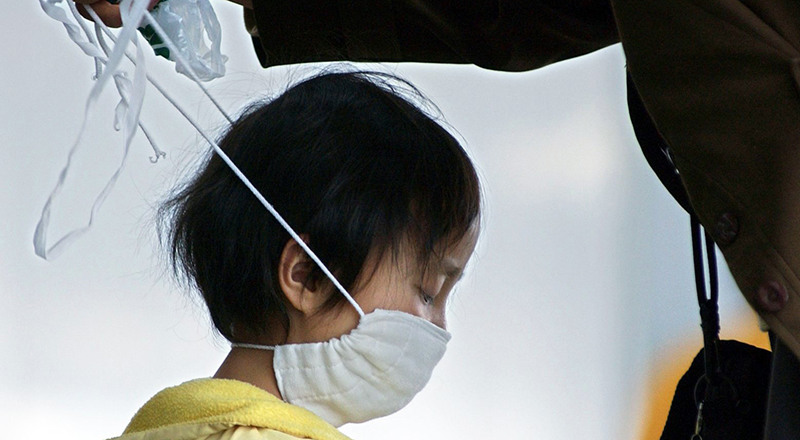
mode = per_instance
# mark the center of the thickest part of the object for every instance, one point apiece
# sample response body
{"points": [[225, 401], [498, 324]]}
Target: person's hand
{"points": [[108, 12]]}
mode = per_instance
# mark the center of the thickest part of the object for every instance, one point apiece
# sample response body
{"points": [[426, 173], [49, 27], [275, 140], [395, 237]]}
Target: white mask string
{"points": [[131, 17]]}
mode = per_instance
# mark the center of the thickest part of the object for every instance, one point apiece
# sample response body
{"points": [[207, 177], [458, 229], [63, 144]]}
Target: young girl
{"points": [[386, 199]]}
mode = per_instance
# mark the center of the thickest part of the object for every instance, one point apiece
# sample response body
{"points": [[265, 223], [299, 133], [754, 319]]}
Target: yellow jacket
{"points": [[221, 409]]}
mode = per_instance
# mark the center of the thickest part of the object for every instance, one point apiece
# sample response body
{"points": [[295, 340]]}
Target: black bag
{"points": [[735, 408]]}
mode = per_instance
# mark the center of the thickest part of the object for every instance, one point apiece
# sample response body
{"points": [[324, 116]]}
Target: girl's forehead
{"points": [[408, 257], [452, 260]]}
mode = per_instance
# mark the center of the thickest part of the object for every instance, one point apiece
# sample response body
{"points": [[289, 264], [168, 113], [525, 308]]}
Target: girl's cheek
{"points": [[406, 300]]}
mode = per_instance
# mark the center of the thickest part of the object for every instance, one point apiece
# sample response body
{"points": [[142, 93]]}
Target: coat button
{"points": [[727, 228], [772, 297]]}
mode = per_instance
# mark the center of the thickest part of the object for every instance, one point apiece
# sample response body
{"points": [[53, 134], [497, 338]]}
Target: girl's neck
{"points": [[252, 366]]}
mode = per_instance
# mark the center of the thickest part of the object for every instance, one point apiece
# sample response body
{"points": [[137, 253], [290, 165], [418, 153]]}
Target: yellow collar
{"points": [[229, 402]]}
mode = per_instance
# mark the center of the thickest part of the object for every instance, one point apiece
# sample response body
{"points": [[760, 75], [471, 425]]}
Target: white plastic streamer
{"points": [[98, 64], [158, 152], [74, 32], [99, 69], [128, 112], [133, 14]]}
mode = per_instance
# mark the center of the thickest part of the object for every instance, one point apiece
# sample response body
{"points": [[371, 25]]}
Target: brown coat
{"points": [[721, 80], [719, 77], [511, 35]]}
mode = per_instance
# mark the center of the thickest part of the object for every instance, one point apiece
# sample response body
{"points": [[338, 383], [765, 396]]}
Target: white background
{"points": [[582, 276]]}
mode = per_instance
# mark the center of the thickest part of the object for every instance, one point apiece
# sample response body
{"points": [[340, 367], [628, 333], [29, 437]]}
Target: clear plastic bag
{"points": [[192, 25]]}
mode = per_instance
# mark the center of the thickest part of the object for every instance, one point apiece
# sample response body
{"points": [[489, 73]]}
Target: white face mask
{"points": [[373, 371]]}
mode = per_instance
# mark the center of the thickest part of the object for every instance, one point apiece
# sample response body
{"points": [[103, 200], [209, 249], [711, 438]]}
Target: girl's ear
{"points": [[294, 270]]}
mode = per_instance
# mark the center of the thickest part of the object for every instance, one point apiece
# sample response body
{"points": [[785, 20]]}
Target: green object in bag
{"points": [[152, 37], [150, 34]]}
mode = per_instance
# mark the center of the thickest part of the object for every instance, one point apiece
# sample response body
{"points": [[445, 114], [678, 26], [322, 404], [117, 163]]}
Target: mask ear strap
{"points": [[168, 41], [216, 148]]}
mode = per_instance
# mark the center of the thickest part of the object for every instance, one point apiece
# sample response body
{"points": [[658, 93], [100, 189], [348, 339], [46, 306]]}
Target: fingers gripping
{"points": [[107, 10]]}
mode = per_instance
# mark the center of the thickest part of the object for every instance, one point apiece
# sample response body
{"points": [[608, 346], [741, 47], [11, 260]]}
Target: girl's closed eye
{"points": [[427, 299]]}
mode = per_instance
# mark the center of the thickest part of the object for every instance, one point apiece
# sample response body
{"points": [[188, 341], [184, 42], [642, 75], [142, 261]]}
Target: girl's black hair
{"points": [[348, 162]]}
